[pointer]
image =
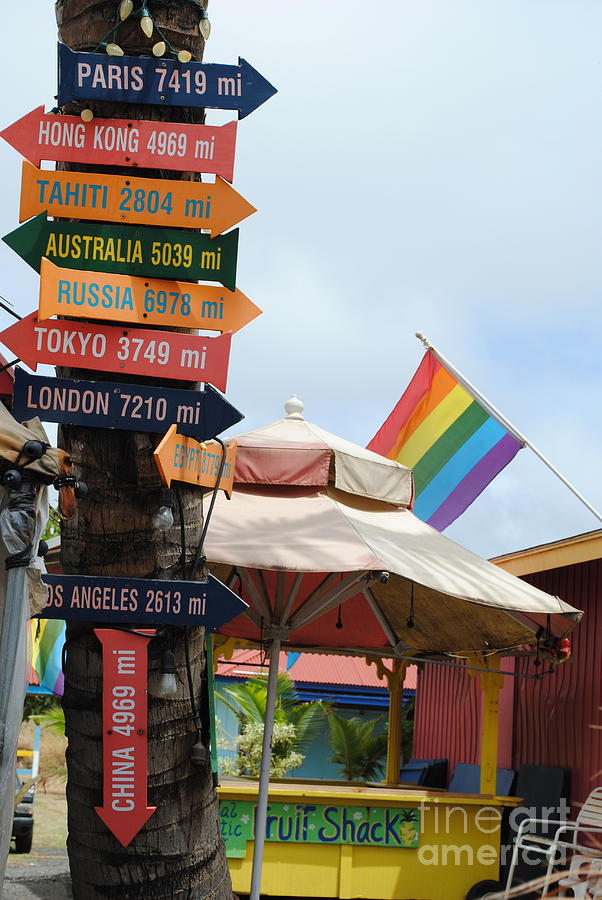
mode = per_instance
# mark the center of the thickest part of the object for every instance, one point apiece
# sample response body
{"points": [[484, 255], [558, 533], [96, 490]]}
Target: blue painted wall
{"points": [[369, 703]]}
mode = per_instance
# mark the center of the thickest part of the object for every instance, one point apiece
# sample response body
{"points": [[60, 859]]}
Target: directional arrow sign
{"points": [[119, 142], [106, 348], [162, 82], [181, 458], [102, 404], [114, 600], [123, 198], [128, 249], [124, 807], [120, 298]]}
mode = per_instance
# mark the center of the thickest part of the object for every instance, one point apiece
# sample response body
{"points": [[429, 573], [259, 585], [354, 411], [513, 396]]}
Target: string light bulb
{"points": [[114, 50], [87, 115], [184, 56], [125, 9], [198, 753], [167, 688], [146, 22], [204, 25], [163, 519], [159, 48]]}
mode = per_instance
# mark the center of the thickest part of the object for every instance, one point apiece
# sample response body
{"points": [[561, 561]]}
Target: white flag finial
{"points": [[294, 407]]}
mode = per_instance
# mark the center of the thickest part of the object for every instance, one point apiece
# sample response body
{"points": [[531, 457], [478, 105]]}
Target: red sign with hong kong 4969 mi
{"points": [[117, 142], [124, 807]]}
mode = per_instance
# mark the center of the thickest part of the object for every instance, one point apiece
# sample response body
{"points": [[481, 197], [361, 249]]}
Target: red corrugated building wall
{"points": [[552, 721]]}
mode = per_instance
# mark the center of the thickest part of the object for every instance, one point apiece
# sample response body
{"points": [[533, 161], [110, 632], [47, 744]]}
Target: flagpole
{"points": [[496, 414]]}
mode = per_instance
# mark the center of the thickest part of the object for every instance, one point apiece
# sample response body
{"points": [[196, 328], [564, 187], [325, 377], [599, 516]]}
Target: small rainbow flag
{"points": [[454, 446], [48, 637]]}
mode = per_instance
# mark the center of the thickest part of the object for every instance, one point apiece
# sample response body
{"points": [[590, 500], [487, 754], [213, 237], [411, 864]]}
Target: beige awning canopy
{"points": [[295, 452], [314, 542], [334, 549]]}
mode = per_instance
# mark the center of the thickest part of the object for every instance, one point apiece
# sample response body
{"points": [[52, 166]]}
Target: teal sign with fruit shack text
{"points": [[315, 824]]}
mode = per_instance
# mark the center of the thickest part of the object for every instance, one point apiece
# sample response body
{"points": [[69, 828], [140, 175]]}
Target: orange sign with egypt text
{"points": [[147, 301], [129, 199], [181, 458]]}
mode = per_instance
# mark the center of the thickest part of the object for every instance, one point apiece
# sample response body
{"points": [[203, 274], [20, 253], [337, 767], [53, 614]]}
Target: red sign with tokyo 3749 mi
{"points": [[113, 348]]}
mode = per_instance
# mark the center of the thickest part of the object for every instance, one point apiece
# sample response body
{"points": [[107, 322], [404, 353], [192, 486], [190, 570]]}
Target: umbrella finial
{"points": [[294, 407]]}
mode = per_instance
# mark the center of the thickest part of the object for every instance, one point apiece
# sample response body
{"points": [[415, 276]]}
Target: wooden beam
{"points": [[491, 684]]}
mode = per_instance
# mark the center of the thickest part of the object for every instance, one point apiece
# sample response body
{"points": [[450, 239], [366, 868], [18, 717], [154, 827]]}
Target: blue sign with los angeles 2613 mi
{"points": [[201, 414], [143, 601], [162, 82]]}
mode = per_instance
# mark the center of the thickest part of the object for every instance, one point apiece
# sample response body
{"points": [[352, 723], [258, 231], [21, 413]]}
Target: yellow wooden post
{"points": [[491, 684], [395, 678]]}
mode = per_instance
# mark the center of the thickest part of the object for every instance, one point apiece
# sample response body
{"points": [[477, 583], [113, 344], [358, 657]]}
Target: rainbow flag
{"points": [[453, 445], [48, 637]]}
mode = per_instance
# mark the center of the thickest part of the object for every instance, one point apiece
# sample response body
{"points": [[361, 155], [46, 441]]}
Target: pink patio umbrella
{"points": [[320, 541]]}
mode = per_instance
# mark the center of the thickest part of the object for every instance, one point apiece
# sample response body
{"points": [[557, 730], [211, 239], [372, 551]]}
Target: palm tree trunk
{"points": [[179, 853]]}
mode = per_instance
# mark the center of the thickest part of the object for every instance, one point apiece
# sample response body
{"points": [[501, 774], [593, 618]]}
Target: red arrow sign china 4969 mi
{"points": [[112, 348], [119, 142], [124, 733]]}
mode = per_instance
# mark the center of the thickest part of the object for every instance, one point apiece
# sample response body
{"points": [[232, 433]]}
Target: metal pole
{"points": [[496, 414], [9, 643], [264, 771], [17, 527], [211, 696]]}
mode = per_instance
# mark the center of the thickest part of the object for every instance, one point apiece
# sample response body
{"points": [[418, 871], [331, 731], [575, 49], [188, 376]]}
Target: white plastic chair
{"points": [[584, 878], [566, 838]]}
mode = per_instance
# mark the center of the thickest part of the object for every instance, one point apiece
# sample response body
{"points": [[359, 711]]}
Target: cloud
{"points": [[427, 166]]}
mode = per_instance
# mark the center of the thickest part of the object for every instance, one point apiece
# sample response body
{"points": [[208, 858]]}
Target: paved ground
{"points": [[42, 874]]}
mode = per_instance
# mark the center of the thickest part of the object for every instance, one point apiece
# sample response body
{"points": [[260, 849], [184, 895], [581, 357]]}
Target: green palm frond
{"points": [[356, 749], [245, 700], [53, 719], [248, 702], [308, 719]]}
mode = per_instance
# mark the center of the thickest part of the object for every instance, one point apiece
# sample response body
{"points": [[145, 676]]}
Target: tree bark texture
{"points": [[180, 852]]}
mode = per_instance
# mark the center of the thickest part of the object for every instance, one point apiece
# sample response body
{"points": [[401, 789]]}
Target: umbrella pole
{"points": [[264, 771]]}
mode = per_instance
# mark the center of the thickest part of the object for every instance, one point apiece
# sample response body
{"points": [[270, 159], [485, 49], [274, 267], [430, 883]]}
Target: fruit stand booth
{"points": [[364, 841], [319, 540]]}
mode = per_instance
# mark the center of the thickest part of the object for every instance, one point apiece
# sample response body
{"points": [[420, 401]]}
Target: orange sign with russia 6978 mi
{"points": [[129, 199], [147, 301], [181, 458]]}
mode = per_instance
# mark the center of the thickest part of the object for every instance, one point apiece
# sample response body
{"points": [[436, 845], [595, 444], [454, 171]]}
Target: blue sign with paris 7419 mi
{"points": [[162, 82], [201, 414], [112, 600]]}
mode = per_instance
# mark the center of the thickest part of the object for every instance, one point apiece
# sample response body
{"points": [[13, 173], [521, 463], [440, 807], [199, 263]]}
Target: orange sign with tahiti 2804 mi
{"points": [[147, 301], [181, 458], [129, 199]]}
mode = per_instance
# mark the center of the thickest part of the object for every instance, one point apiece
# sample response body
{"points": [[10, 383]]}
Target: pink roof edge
{"points": [[313, 668]]}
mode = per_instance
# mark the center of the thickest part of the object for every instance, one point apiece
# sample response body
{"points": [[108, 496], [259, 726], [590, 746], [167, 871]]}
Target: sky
{"points": [[426, 166]]}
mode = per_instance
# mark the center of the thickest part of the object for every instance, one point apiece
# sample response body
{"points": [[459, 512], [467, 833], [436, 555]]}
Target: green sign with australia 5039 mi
{"points": [[128, 249], [312, 824]]}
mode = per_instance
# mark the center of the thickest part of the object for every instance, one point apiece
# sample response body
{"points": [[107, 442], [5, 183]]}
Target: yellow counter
{"points": [[371, 841]]}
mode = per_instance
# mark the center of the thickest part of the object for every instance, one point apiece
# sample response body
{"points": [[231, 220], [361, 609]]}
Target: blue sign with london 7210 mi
{"points": [[162, 82], [201, 414], [128, 600]]}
